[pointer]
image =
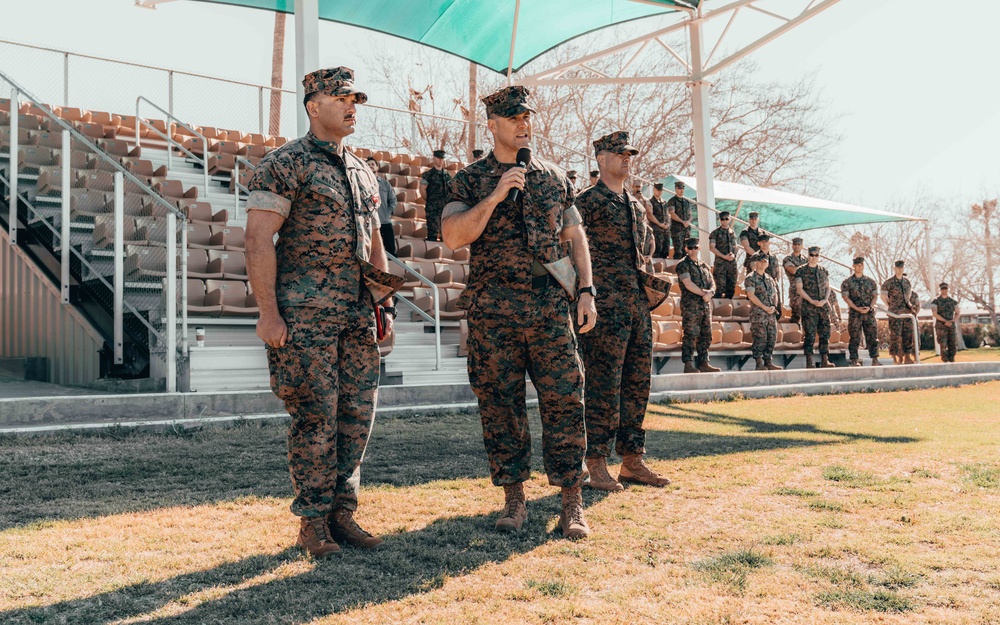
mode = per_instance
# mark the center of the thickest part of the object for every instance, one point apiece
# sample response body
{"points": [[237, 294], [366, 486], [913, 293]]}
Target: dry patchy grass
{"points": [[868, 508]]}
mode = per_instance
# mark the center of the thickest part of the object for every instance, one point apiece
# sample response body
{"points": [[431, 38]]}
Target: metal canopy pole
{"points": [[701, 118], [931, 286], [306, 52], [119, 267], [12, 215], [170, 331], [64, 242], [513, 41]]}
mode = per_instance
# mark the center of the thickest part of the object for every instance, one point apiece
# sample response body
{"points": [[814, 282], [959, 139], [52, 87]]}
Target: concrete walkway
{"points": [[34, 407]]}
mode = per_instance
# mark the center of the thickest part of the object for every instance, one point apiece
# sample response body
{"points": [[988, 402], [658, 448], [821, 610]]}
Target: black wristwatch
{"points": [[586, 289], [391, 310]]}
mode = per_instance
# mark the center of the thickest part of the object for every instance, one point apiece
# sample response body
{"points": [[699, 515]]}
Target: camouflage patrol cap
{"points": [[571, 174], [438, 153], [724, 215], [899, 263], [658, 186], [943, 285], [334, 81], [797, 241], [814, 249], [691, 243], [477, 154], [754, 215], [759, 256], [679, 185], [508, 102], [616, 143], [595, 173], [763, 237], [860, 260]]}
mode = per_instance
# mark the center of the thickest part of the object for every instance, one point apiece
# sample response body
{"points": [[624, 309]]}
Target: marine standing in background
{"points": [[722, 244], [617, 353], [697, 290], [594, 175], [762, 291], [386, 208], [813, 284], [681, 211], [660, 220], [316, 294], [944, 308], [861, 294], [748, 238], [529, 262], [434, 187], [791, 264], [773, 270], [896, 293]]}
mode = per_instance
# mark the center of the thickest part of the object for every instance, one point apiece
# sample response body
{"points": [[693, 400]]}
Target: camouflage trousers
{"points": [[617, 360], [662, 242], [795, 304], [815, 321], [764, 328], [724, 272], [946, 339], [900, 336], [858, 325], [541, 343], [433, 214], [677, 235], [327, 375], [696, 321]]}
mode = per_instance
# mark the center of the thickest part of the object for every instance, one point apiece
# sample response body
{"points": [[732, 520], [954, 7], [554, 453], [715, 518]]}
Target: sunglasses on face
{"points": [[813, 254]]}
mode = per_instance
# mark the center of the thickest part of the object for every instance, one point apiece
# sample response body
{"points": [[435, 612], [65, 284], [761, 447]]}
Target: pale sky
{"points": [[913, 82]]}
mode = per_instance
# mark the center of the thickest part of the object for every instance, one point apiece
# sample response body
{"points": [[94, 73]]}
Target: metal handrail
{"points": [[237, 187], [436, 319], [170, 140]]}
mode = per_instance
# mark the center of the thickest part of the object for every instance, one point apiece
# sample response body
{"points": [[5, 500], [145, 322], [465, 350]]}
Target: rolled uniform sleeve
{"points": [[271, 187], [460, 197], [749, 286]]}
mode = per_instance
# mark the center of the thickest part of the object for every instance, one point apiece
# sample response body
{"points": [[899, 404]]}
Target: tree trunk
{"points": [[277, 70]]}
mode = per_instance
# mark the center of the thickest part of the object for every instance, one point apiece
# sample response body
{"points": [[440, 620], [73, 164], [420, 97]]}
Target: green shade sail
{"points": [[783, 213], [481, 30]]}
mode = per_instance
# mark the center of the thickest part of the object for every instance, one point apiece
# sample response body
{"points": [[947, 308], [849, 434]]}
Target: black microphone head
{"points": [[524, 156]]}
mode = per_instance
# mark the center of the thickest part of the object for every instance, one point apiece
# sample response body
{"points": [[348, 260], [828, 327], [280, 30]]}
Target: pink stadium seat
{"points": [[196, 300], [197, 267], [232, 264]]}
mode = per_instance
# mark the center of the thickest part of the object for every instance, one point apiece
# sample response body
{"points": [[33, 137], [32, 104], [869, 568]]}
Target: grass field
{"points": [[866, 508], [980, 354]]}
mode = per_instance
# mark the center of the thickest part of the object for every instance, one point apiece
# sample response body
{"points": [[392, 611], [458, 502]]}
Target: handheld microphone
{"points": [[523, 158]]}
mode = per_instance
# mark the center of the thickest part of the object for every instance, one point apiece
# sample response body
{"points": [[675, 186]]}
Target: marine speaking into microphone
{"points": [[523, 158]]}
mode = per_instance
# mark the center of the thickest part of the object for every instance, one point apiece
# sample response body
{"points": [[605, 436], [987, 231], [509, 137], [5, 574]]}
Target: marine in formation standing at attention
{"points": [[861, 294], [530, 264], [681, 212], [660, 221], [791, 264], [697, 290], [762, 291], [944, 308], [813, 284], [722, 244], [896, 295], [749, 237], [434, 188], [617, 353]]}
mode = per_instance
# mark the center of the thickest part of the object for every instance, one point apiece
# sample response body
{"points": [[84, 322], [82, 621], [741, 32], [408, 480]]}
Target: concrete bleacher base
{"points": [[159, 410]]}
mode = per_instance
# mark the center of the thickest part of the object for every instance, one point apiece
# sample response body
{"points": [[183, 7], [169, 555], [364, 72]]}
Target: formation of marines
{"points": [[560, 290]]}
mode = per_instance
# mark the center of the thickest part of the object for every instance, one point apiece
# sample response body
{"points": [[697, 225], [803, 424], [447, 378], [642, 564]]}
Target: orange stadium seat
{"points": [[232, 264], [196, 300], [791, 336], [668, 335], [732, 336], [197, 267]]}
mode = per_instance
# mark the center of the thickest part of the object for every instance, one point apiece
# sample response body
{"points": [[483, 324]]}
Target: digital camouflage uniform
{"points": [[327, 373], [750, 236], [662, 234], [794, 300], [617, 353], [774, 271], [435, 197], [898, 292], [763, 325], [517, 328], [696, 313], [946, 307], [815, 319], [684, 209], [861, 292], [724, 271]]}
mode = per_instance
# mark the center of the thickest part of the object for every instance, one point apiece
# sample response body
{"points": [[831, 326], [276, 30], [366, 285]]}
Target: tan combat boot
{"points": [[514, 511], [571, 521], [876, 363], [759, 364], [600, 479], [345, 529], [704, 367], [908, 359], [809, 361], [825, 362], [770, 366], [690, 368], [314, 537], [855, 362], [634, 470]]}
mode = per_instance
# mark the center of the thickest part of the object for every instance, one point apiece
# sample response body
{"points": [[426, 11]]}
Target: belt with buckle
{"points": [[540, 282]]}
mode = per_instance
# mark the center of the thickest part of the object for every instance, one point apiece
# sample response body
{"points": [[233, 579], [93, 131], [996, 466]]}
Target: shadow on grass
{"points": [[410, 563]]}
